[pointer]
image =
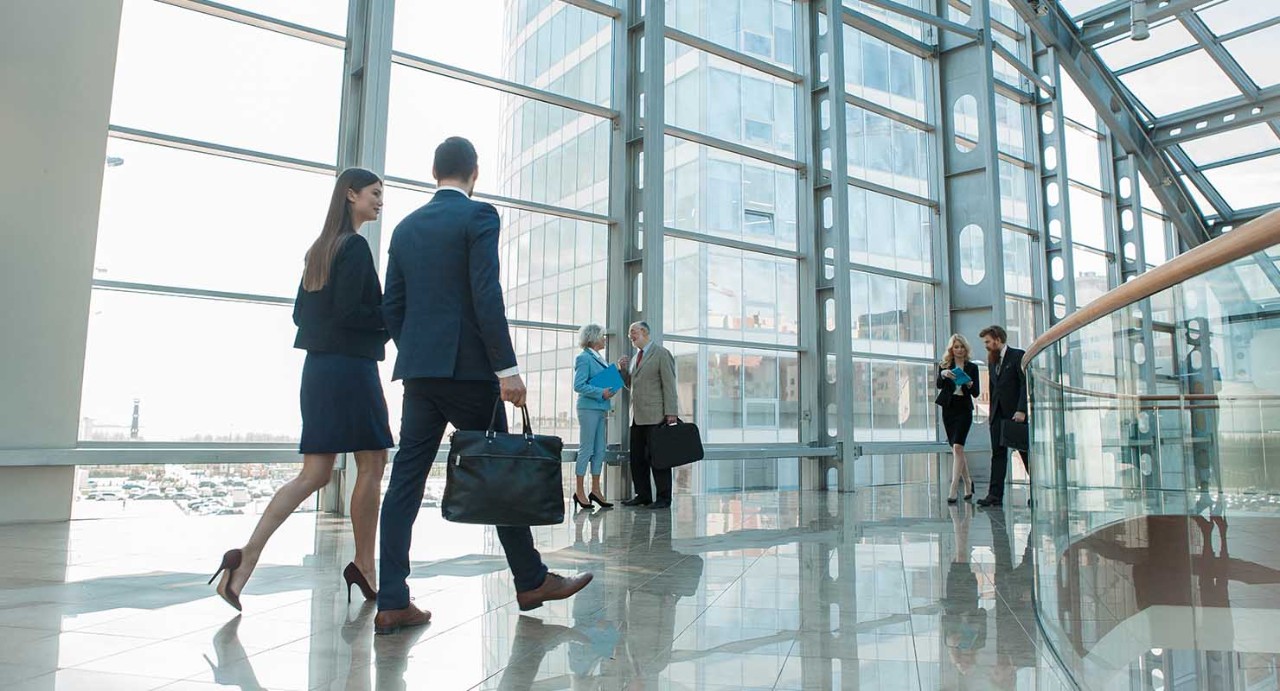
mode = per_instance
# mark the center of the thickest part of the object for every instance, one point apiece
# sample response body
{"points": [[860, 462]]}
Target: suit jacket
{"points": [[1008, 386], [345, 316], [586, 366], [653, 387], [443, 304], [946, 396]]}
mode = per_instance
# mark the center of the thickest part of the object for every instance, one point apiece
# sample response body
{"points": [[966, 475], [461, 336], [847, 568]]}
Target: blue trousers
{"points": [[429, 405], [591, 441]]}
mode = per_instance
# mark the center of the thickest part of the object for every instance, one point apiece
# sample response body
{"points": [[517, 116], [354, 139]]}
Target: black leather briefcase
{"points": [[1015, 435], [496, 478], [674, 445]]}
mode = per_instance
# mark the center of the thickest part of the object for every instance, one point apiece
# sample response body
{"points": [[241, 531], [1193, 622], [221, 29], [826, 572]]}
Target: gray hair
{"points": [[644, 325], [589, 334]]}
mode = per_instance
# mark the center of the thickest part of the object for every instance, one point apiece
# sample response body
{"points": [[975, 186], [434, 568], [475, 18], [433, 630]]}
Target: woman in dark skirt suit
{"points": [[338, 312], [956, 401]]}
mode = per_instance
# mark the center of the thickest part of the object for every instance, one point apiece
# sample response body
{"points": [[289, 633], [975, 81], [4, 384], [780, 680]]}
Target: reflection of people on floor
{"points": [[233, 667], [651, 607], [592, 618], [964, 622], [534, 639], [1016, 631], [391, 660]]}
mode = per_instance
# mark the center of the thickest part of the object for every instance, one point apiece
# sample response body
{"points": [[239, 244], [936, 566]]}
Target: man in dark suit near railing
{"points": [[1008, 402], [444, 309]]}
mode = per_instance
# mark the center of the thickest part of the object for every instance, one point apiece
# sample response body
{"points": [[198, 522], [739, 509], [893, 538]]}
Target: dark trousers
{"points": [[1000, 459], [641, 468], [429, 405]]}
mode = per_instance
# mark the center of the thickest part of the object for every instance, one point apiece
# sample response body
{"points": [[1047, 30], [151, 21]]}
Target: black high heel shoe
{"points": [[230, 562], [585, 507], [599, 500], [969, 496], [354, 576]]}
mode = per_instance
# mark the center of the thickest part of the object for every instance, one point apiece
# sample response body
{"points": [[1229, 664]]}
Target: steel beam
{"points": [[829, 187], [971, 184], [925, 17], [1077, 58], [1216, 118], [1112, 20]]}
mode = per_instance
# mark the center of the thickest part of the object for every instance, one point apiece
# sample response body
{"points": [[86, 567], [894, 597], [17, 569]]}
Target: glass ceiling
{"points": [[1211, 51]]}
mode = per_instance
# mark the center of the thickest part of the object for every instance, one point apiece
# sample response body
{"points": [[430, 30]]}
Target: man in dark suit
{"points": [[1008, 402], [444, 309]]}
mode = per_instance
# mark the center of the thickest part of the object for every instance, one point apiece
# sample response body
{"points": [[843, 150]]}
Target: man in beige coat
{"points": [[650, 375]]}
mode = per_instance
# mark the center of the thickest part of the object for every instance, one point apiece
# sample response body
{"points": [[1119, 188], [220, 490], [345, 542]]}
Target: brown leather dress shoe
{"points": [[555, 587], [392, 620]]}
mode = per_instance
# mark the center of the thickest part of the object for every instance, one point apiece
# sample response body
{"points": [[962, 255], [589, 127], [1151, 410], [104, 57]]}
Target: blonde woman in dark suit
{"points": [[956, 401]]}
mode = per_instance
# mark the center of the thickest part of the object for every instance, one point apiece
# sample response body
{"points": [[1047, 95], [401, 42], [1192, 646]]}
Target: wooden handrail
{"points": [[1253, 237]]}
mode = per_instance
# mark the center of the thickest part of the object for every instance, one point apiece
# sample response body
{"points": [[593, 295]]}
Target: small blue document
{"points": [[961, 377], [608, 378]]}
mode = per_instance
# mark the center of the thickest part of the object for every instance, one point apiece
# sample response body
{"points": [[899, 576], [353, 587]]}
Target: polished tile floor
{"points": [[886, 589]]}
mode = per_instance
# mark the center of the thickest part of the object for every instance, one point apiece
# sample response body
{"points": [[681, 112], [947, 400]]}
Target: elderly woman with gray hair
{"points": [[593, 408]]}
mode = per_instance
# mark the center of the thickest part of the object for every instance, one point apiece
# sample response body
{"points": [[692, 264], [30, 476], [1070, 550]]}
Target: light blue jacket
{"points": [[586, 366]]}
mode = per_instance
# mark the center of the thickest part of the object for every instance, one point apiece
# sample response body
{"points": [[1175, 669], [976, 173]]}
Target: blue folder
{"points": [[961, 377], [608, 378]]}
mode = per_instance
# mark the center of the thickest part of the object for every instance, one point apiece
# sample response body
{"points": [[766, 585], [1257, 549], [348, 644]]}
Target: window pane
{"points": [[1088, 225], [139, 240], [1246, 140], [892, 316], [528, 149], [744, 106], [546, 363], [326, 15], [1248, 184], [1015, 193], [885, 74], [911, 27], [1021, 321], [718, 193], [1181, 83], [1017, 263], [901, 401], [1091, 275], [888, 152], [1083, 159], [245, 388], [747, 396], [889, 232], [545, 44], [747, 296], [1256, 53], [226, 83], [763, 29]]}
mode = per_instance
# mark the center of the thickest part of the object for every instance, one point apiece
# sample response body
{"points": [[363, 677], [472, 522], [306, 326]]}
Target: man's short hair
{"points": [[995, 331], [456, 159], [644, 325]]}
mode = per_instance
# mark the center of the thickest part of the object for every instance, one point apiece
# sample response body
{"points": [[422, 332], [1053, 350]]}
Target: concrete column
{"points": [[59, 61]]}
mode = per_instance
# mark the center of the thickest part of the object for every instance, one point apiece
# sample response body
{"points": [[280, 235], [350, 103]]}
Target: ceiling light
{"points": [[1138, 15]]}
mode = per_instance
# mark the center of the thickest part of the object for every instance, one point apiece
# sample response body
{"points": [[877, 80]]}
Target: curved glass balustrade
{"points": [[1156, 443]]}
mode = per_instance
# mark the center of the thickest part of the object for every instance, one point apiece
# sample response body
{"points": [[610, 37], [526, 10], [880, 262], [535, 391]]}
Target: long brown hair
{"points": [[949, 360], [337, 227]]}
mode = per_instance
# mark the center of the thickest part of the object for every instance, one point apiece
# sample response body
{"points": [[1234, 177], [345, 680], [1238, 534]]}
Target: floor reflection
{"points": [[1191, 599], [885, 589]]}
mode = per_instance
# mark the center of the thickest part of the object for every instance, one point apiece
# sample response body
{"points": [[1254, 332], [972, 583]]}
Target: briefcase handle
{"points": [[493, 421]]}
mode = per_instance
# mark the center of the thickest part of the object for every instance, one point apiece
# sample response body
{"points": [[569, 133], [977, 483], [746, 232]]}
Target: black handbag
{"points": [[1015, 435], [495, 478], [674, 445]]}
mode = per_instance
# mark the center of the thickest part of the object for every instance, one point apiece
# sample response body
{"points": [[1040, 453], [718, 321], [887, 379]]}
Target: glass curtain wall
{"points": [[893, 226], [215, 189]]}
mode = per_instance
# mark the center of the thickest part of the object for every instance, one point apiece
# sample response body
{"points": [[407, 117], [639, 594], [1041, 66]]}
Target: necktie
{"points": [[639, 357]]}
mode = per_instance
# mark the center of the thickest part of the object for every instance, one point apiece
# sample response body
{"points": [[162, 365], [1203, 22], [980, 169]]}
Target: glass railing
{"points": [[1155, 418]]}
